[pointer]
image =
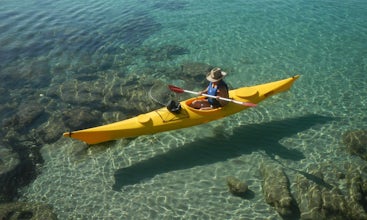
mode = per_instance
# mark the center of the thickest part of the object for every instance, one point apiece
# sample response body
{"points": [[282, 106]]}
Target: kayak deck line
{"points": [[70, 133], [169, 116], [162, 119]]}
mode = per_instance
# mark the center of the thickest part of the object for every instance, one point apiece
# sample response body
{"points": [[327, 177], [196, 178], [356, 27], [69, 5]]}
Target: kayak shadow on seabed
{"points": [[245, 140]]}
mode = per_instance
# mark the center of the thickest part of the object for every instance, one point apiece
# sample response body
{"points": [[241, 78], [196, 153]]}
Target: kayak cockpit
{"points": [[188, 104]]}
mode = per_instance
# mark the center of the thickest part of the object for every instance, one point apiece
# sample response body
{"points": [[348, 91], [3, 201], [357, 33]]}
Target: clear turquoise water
{"points": [[182, 174]]}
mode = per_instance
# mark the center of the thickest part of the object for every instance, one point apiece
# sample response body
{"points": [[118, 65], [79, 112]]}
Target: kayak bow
{"points": [[164, 120]]}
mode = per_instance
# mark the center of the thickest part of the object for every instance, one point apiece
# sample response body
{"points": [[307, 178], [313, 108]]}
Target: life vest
{"points": [[214, 90]]}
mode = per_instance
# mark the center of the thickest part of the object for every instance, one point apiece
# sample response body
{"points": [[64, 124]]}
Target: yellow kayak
{"points": [[165, 120]]}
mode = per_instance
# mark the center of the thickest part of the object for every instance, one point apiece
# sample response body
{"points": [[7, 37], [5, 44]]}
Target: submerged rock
{"points": [[356, 142], [50, 132], [25, 117], [357, 195], [9, 161], [34, 73], [69, 104], [196, 71], [276, 190], [334, 205], [318, 202], [23, 210], [24, 158], [166, 52], [78, 92], [79, 118], [160, 93], [236, 187]]}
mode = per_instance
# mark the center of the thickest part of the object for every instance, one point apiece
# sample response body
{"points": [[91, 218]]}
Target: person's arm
{"points": [[204, 91], [223, 92]]}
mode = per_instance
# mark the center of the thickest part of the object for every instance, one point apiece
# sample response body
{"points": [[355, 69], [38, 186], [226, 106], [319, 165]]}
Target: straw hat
{"points": [[215, 75]]}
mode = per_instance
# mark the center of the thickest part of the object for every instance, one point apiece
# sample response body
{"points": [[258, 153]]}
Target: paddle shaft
{"points": [[221, 98]]}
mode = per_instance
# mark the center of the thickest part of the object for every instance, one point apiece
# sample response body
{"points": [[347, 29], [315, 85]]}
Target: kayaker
{"points": [[217, 87]]}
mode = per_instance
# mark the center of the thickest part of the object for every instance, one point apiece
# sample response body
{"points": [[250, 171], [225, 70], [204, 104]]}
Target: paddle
{"points": [[180, 90]]}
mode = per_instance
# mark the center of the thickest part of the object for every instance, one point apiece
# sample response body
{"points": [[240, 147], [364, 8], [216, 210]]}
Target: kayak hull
{"points": [[162, 120]]}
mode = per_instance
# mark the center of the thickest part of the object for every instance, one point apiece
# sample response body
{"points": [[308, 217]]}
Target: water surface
{"points": [[49, 47]]}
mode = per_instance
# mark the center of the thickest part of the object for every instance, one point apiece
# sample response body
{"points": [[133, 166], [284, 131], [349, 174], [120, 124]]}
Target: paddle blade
{"points": [[176, 89], [249, 104]]}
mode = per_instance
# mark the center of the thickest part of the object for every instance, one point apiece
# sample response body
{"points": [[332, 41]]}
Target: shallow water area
{"points": [[152, 183], [97, 60]]}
